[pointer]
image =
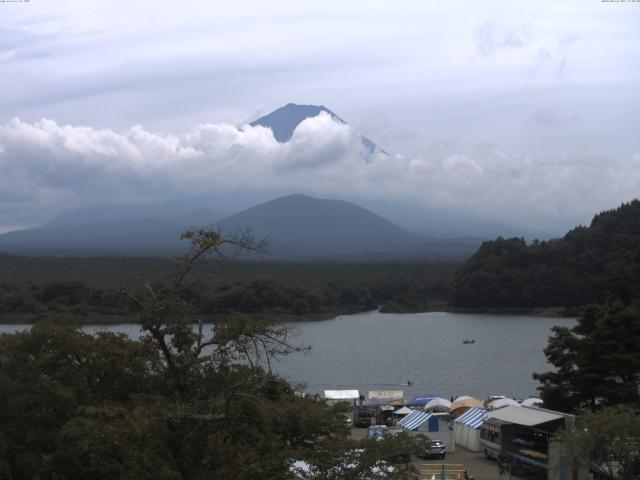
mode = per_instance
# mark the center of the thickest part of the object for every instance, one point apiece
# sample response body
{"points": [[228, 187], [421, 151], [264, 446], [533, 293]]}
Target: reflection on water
{"points": [[375, 351]]}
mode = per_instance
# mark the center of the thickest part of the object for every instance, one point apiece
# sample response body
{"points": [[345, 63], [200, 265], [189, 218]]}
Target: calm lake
{"points": [[376, 351]]}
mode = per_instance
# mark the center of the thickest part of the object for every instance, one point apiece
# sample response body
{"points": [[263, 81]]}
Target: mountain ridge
{"points": [[320, 226], [299, 226]]}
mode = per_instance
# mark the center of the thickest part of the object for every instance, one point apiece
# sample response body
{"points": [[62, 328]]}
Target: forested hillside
{"points": [[87, 290], [588, 265]]}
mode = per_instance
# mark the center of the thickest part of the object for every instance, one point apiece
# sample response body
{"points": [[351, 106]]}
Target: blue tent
{"points": [[417, 419], [420, 400], [474, 417], [414, 420], [466, 428]]}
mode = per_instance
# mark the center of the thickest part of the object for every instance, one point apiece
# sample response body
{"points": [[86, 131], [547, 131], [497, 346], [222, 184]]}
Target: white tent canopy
{"points": [[439, 404], [341, 394], [503, 402], [531, 402], [403, 411]]}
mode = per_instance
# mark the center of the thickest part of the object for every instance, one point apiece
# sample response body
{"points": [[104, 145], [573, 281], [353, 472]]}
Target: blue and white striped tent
{"points": [[466, 428], [474, 417], [414, 420]]}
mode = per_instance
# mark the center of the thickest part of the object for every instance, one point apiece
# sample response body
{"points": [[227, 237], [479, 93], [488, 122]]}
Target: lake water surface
{"points": [[376, 351]]}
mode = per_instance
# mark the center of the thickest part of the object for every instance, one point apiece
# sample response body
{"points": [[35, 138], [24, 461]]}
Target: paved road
{"points": [[476, 465]]}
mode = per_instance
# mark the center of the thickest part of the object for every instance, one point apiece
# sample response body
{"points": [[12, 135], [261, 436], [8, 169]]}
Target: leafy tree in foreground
{"points": [[609, 439], [48, 374], [180, 403], [597, 361]]}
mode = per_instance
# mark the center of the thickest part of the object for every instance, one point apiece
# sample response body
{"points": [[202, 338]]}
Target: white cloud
{"points": [[493, 36], [47, 167], [462, 166]]}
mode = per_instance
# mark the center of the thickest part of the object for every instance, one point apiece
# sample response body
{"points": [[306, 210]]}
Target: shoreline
{"points": [[550, 312]]}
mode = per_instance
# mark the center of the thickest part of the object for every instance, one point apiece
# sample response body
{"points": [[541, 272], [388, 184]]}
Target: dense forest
{"points": [[589, 264], [89, 290]]}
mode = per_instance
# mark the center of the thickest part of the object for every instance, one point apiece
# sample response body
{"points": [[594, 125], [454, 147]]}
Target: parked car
{"points": [[431, 449]]}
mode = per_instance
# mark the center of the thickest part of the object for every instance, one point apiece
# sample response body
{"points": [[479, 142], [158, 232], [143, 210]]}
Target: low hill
{"points": [[587, 265], [302, 227], [299, 225]]}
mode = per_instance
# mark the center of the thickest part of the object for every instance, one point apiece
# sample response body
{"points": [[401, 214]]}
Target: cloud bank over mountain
{"points": [[517, 112], [46, 168]]}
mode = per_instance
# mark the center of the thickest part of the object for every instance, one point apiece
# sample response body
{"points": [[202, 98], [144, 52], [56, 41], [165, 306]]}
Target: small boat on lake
{"points": [[466, 341]]}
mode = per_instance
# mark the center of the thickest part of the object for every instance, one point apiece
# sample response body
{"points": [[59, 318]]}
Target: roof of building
{"points": [[341, 394], [495, 421], [390, 394], [525, 416]]}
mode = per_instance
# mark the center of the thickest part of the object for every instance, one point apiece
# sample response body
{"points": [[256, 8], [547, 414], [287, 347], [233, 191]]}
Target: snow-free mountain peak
{"points": [[284, 120], [301, 225]]}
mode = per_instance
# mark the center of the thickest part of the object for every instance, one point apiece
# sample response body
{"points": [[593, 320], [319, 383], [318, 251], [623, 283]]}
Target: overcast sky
{"points": [[520, 112]]}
